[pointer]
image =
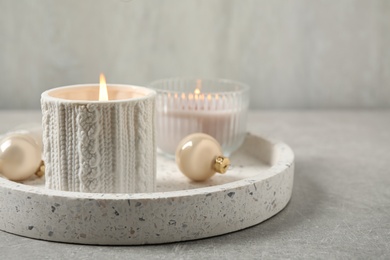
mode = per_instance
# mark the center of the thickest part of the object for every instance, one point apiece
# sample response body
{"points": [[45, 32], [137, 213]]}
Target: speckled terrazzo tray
{"points": [[257, 187]]}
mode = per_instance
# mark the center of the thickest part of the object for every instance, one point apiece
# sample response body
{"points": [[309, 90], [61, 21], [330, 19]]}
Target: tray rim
{"points": [[146, 218]]}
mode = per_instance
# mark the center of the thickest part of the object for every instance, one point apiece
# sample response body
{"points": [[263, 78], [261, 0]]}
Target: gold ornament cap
{"points": [[41, 170], [221, 164]]}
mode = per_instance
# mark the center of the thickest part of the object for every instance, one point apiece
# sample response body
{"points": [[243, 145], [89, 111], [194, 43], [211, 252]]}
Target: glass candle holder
{"points": [[217, 107]]}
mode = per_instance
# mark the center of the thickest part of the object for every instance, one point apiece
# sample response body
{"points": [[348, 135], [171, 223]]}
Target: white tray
{"points": [[258, 186]]}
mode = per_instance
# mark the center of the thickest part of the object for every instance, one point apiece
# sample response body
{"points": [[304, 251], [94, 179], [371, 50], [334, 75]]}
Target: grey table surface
{"points": [[340, 208]]}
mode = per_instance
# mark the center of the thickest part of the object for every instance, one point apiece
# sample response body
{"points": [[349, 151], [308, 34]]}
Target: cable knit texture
{"points": [[100, 147]]}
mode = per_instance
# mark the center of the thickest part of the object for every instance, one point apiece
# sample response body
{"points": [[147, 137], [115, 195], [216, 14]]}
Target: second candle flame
{"points": [[103, 93]]}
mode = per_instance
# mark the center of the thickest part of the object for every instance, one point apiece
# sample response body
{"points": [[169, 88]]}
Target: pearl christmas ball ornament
{"points": [[20, 157], [199, 157]]}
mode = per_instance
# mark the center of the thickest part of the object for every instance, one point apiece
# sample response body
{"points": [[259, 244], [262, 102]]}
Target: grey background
{"points": [[294, 54]]}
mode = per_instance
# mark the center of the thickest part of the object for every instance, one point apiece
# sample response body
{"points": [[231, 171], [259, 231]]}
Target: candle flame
{"points": [[197, 90], [103, 93], [198, 86]]}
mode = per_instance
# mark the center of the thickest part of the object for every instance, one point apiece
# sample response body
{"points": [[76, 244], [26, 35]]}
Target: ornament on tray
{"points": [[199, 157], [21, 156]]}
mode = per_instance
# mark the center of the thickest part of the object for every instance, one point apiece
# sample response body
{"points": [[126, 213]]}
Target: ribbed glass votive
{"points": [[216, 107]]}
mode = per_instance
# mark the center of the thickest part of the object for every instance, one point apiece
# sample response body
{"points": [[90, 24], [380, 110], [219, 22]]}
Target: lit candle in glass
{"points": [[214, 107]]}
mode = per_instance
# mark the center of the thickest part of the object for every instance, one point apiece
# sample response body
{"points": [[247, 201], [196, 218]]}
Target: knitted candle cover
{"points": [[99, 147]]}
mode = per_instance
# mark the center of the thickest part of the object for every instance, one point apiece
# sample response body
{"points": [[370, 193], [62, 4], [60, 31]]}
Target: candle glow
{"points": [[103, 93]]}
